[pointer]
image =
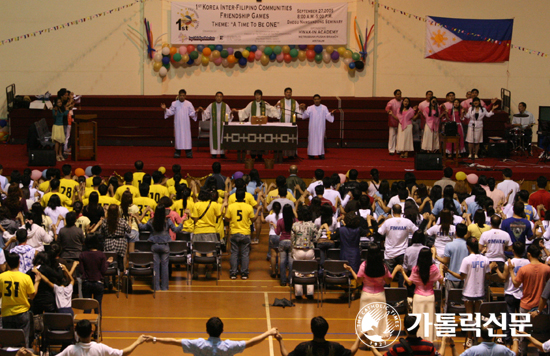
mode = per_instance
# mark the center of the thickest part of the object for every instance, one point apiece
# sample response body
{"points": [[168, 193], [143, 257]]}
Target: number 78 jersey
{"points": [[16, 288]]}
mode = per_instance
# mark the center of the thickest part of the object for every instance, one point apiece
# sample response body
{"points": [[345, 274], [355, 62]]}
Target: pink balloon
{"points": [[280, 57], [258, 55], [230, 50], [183, 50], [36, 174], [218, 61]]}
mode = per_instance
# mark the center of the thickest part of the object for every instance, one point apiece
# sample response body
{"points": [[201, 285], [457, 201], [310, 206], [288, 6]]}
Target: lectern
{"points": [[84, 132]]}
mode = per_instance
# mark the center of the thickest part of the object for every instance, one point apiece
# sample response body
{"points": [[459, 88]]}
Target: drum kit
{"points": [[516, 141]]}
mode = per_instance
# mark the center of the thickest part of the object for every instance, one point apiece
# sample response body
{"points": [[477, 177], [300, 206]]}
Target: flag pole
{"points": [[375, 48]]}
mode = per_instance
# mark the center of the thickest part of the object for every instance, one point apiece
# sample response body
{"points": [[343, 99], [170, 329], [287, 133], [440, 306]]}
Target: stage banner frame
{"points": [[259, 23]]}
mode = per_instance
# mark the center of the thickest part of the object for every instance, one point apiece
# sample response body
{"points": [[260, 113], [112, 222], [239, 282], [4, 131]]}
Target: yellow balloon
{"points": [[341, 50], [245, 53], [348, 54], [157, 66], [164, 44], [215, 54], [302, 55], [264, 59], [205, 60], [162, 170], [185, 58], [329, 49], [286, 49]]}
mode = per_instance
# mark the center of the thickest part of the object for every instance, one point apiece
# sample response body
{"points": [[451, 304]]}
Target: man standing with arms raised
{"points": [[317, 114], [182, 110], [218, 112]]}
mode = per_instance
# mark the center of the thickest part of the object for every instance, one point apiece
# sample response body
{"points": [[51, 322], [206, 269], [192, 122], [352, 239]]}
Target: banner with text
{"points": [[259, 24]]}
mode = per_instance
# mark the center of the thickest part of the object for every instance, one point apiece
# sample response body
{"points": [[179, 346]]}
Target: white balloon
{"points": [[261, 48], [347, 61], [163, 71], [225, 62], [157, 57], [199, 61], [326, 57], [166, 51]]}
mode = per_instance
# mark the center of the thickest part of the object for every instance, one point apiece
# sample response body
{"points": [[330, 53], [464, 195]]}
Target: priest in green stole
{"points": [[290, 111], [218, 113]]}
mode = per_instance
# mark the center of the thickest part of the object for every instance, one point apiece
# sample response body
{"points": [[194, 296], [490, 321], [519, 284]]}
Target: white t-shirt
{"points": [[332, 194], [546, 236], [366, 212], [457, 219], [397, 231], [509, 287], [54, 215], [508, 185], [496, 241], [90, 349], [332, 227], [311, 188], [63, 295], [373, 188], [273, 218], [474, 267], [395, 200], [441, 240]]}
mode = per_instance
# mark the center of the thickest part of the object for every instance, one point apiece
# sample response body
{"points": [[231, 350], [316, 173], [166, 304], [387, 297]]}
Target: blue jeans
{"points": [[240, 249], [161, 255], [19, 321], [324, 246], [273, 244], [285, 257], [93, 290]]}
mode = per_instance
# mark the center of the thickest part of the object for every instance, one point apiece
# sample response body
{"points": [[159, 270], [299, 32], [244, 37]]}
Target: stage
{"points": [[121, 159]]}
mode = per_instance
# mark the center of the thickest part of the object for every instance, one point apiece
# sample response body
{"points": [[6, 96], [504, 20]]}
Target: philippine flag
{"points": [[465, 40]]}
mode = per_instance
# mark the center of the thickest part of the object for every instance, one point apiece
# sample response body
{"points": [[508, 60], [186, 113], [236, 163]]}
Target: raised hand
{"points": [[163, 106]]}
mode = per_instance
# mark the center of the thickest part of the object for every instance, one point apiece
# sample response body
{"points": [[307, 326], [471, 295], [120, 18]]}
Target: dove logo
{"points": [[376, 323]]}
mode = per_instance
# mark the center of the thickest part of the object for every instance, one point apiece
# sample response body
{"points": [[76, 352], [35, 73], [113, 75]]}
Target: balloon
{"points": [[224, 53], [218, 61], [268, 51], [245, 53], [157, 57], [302, 47], [231, 59], [185, 58], [326, 57], [176, 57], [215, 54], [165, 60], [190, 48], [190, 62], [163, 170], [242, 61], [292, 46], [247, 48], [198, 61], [285, 49], [272, 56], [264, 60], [261, 48], [294, 53], [351, 65], [310, 54], [230, 50], [258, 55], [36, 174], [302, 55], [459, 176], [194, 55], [238, 55], [173, 50], [157, 66], [359, 65], [205, 60], [280, 57], [318, 57], [277, 50], [348, 54], [335, 55], [342, 178], [225, 62], [318, 49], [79, 172], [163, 71], [166, 51], [356, 56], [329, 49], [167, 66], [200, 48], [45, 170], [287, 57], [211, 47], [88, 171], [472, 178], [219, 48], [183, 50], [341, 50], [310, 46], [252, 56], [206, 51], [164, 44], [253, 48]]}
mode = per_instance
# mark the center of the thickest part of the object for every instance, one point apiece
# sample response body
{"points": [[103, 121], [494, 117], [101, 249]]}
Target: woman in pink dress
{"points": [[455, 114], [391, 108], [430, 140], [405, 115]]}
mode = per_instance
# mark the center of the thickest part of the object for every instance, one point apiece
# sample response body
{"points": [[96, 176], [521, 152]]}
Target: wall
{"points": [[101, 56]]}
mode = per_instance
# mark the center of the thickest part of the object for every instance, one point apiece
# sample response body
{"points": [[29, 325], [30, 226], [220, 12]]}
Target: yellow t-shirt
{"points": [[189, 224], [66, 202], [275, 193], [248, 198], [171, 191], [16, 287], [239, 215], [123, 188], [170, 182], [107, 200], [68, 187], [157, 191], [142, 203], [476, 231], [88, 191], [138, 178], [208, 223], [89, 182], [44, 186]]}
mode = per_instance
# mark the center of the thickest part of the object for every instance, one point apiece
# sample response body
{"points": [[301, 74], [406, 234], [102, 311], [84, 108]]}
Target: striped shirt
{"points": [[419, 346]]}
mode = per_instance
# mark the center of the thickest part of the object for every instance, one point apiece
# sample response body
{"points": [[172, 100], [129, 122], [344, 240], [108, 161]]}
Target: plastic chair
{"points": [[183, 236], [178, 254], [309, 274], [205, 253], [87, 304], [143, 246], [58, 330], [140, 264], [335, 274], [454, 295], [204, 129], [333, 254], [496, 308], [11, 338], [113, 270], [397, 298]]}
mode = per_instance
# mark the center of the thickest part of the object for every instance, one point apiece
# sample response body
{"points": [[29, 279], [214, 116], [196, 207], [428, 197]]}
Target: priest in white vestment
{"points": [[290, 111], [182, 110], [218, 113], [317, 114]]}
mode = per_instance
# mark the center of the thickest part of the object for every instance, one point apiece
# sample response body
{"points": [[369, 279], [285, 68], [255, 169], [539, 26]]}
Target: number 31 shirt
{"points": [[16, 288], [240, 215]]}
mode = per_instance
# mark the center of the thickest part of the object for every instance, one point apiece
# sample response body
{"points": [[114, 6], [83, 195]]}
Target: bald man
{"points": [[294, 181]]}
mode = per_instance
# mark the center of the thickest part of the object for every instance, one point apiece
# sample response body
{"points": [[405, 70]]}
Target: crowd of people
{"points": [[458, 233]]}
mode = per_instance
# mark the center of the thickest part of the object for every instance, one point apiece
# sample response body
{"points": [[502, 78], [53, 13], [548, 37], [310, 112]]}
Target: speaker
{"points": [[428, 162], [451, 128], [42, 158], [499, 149]]}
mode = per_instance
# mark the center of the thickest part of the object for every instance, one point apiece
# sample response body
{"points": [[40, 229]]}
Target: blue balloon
{"points": [[272, 56], [242, 61], [3, 123], [352, 65], [190, 62], [292, 46], [88, 171], [45, 170], [253, 48], [318, 49], [219, 48], [200, 48], [165, 60]]}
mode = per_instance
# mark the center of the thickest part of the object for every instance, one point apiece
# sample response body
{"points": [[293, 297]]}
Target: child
{"points": [[64, 292]]}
